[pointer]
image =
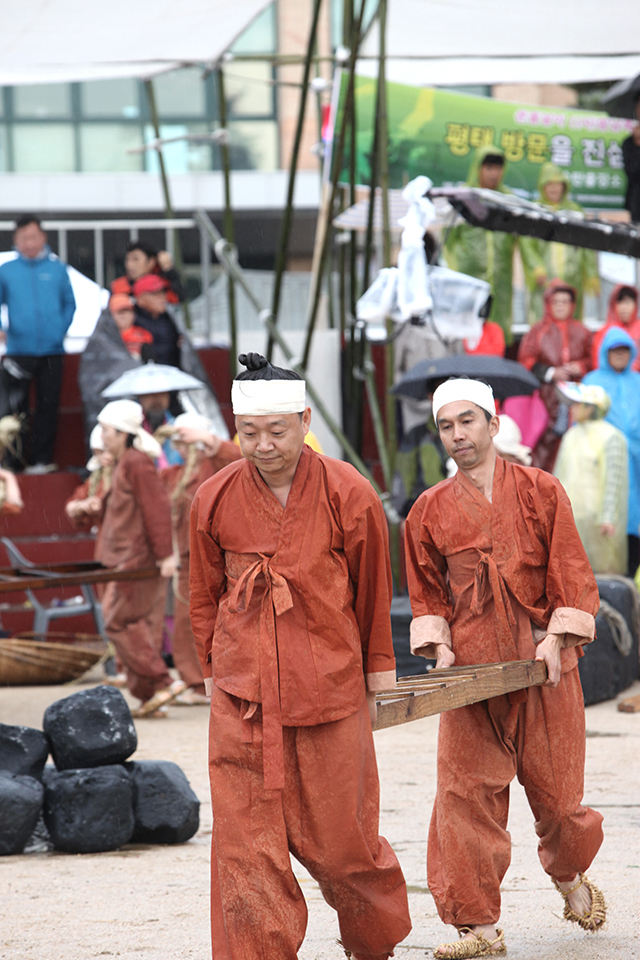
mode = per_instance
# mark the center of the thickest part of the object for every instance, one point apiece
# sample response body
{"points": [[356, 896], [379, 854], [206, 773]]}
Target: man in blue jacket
{"points": [[37, 291]]}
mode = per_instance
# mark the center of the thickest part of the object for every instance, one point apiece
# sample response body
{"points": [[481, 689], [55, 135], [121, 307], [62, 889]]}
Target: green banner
{"points": [[435, 132]]}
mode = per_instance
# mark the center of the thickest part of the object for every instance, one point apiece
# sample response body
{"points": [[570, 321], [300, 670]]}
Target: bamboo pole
{"points": [[383, 160], [376, 415], [227, 256], [287, 218], [228, 218], [329, 198], [168, 206], [351, 107]]}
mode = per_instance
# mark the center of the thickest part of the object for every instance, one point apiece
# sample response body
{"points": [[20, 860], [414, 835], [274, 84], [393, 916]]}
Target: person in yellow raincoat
{"points": [[543, 260], [592, 466], [486, 254]]}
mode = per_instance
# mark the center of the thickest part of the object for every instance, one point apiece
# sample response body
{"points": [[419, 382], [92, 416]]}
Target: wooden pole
{"points": [[228, 220], [168, 206], [330, 194], [383, 161], [287, 217]]}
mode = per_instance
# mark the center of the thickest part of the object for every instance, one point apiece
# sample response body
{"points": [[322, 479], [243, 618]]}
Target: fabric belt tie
{"points": [[275, 601], [487, 570]]}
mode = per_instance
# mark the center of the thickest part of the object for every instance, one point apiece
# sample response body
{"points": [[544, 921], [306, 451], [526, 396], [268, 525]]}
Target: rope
{"points": [[619, 630]]}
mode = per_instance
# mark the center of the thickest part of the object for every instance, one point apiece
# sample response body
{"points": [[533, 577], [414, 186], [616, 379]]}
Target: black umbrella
{"points": [[500, 211], [620, 99], [507, 378]]}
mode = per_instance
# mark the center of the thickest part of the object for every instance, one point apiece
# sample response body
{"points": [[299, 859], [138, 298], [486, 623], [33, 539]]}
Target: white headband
{"points": [[127, 416], [259, 398], [471, 390]]}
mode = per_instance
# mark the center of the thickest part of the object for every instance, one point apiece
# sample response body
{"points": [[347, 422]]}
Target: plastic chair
{"points": [[43, 614]]}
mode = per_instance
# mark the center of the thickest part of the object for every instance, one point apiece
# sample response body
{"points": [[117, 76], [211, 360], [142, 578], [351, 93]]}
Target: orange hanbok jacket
{"points": [[290, 606], [490, 579]]}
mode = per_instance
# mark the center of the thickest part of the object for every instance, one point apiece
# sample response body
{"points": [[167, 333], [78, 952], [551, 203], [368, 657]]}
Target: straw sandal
{"points": [[190, 698], [159, 699], [478, 947], [592, 921]]}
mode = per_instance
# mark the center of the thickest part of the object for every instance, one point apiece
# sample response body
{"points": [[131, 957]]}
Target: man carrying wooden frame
{"points": [[497, 573]]}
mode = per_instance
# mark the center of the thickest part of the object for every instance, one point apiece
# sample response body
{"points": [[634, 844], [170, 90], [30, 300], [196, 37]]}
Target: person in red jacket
{"points": [[556, 349], [623, 312], [141, 259]]}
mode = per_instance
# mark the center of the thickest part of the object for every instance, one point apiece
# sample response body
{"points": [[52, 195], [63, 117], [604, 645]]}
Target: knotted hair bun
{"points": [[253, 361], [259, 368]]}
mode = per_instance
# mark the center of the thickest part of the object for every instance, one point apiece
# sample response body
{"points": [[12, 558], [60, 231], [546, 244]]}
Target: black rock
{"points": [[20, 808], [89, 811], [90, 729], [166, 808], [23, 750], [39, 841]]}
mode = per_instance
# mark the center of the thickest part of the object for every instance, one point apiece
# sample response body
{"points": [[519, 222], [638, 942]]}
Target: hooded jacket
{"points": [[485, 254], [40, 302], [624, 390], [613, 320], [544, 260]]}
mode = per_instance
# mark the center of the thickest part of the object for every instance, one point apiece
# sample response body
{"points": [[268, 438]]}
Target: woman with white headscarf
{"points": [[136, 534]]}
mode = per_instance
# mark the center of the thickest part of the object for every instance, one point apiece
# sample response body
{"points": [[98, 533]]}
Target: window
{"points": [[110, 98], [182, 156], [103, 147], [4, 163], [255, 140], [249, 89], [43, 147], [260, 35], [180, 93], [42, 101]]}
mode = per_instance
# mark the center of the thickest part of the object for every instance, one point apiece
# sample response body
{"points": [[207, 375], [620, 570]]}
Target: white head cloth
{"points": [[127, 416], [95, 440], [259, 398], [472, 390], [508, 440], [194, 421]]}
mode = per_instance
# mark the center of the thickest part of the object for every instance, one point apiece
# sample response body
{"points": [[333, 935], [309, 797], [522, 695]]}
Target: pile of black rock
{"points": [[93, 799]]}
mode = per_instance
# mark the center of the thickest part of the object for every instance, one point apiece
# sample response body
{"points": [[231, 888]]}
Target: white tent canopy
{"points": [[431, 42], [72, 40]]}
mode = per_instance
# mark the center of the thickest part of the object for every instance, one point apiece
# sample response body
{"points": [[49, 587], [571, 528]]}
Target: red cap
{"points": [[150, 283], [120, 301]]}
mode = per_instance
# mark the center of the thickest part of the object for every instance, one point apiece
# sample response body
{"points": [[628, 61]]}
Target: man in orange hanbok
{"points": [[497, 572], [290, 602]]}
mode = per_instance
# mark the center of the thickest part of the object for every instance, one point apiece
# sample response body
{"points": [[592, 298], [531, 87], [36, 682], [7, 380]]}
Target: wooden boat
{"points": [[30, 660], [440, 690]]}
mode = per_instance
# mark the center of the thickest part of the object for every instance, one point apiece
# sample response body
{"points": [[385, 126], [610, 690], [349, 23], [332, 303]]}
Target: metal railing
{"points": [[100, 227]]}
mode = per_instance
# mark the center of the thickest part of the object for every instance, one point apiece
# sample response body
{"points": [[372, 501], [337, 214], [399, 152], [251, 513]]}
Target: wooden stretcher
{"points": [[47, 576], [440, 690]]}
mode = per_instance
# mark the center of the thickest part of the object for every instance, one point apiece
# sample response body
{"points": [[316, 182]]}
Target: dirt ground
{"points": [[151, 903]]}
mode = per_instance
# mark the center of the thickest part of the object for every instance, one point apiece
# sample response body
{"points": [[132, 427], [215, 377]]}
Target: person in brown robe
{"points": [[497, 572], [203, 455], [290, 607], [136, 534], [556, 349]]}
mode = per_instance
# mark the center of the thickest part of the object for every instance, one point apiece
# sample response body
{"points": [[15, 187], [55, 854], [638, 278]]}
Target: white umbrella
{"points": [[151, 378]]}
